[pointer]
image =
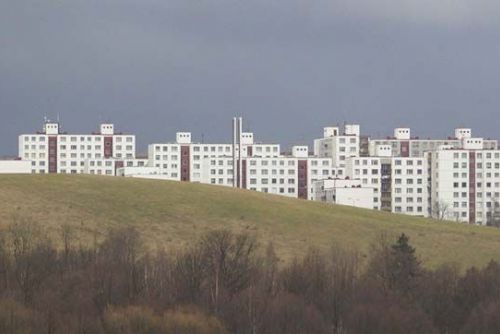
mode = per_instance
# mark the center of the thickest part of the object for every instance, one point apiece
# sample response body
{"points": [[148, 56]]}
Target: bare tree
{"points": [[440, 210], [493, 212], [344, 270], [118, 271], [189, 271], [230, 263], [33, 256], [437, 297]]}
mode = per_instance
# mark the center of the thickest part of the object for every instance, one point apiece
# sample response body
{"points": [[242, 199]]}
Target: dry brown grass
{"points": [[173, 214]]}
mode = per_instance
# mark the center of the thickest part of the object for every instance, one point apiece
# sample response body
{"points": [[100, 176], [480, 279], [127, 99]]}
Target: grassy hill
{"points": [[173, 214]]}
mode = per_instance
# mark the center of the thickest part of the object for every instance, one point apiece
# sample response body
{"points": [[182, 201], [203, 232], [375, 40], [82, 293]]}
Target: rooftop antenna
{"points": [[202, 138], [248, 126]]}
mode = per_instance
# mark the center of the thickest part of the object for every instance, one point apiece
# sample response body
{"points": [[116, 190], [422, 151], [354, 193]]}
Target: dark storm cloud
{"points": [[288, 66]]}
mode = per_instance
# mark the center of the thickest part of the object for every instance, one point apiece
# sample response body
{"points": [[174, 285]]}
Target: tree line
{"points": [[229, 283]]}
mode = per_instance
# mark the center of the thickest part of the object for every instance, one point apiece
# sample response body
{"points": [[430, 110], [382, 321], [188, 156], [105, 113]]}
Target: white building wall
{"points": [[138, 171], [318, 169], [35, 148], [450, 185], [409, 186], [487, 186], [357, 197], [276, 175], [368, 170], [166, 157], [264, 150], [217, 170], [15, 167], [343, 192], [124, 147], [110, 166], [199, 152]]}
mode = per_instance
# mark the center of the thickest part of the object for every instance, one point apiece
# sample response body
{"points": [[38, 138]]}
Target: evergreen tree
{"points": [[403, 267]]}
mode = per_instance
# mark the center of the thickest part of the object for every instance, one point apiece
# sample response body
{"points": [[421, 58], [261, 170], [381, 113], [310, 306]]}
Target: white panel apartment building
{"points": [[52, 151], [291, 176], [399, 185], [206, 163], [455, 178], [403, 145], [264, 168], [338, 146], [465, 183]]}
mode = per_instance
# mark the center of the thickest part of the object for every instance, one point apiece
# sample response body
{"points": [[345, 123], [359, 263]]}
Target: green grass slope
{"points": [[174, 214]]}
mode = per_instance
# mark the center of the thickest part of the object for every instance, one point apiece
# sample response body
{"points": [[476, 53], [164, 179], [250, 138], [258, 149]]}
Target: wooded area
{"points": [[229, 283]]}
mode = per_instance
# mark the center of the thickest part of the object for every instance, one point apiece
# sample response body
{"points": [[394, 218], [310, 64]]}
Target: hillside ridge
{"points": [[172, 214]]}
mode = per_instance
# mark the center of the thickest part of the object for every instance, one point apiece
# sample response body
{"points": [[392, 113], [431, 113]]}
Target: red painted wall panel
{"points": [[244, 175], [53, 154], [108, 147], [185, 164], [302, 179], [472, 187], [405, 149]]}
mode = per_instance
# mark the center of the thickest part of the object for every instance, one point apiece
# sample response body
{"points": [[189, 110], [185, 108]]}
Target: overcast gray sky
{"points": [[289, 67]]}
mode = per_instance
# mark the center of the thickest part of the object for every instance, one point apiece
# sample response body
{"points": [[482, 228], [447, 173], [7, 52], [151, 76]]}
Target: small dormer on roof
{"points": [[247, 138], [402, 133], [463, 133], [472, 143], [330, 131], [51, 128], [300, 151], [352, 130], [183, 137], [107, 129]]}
